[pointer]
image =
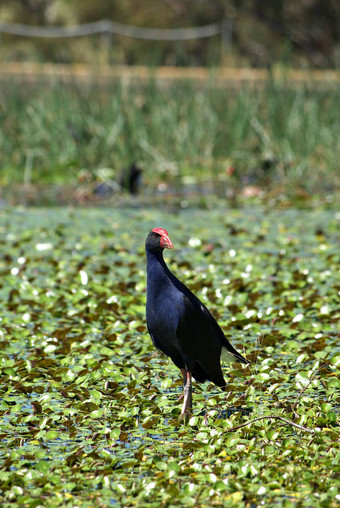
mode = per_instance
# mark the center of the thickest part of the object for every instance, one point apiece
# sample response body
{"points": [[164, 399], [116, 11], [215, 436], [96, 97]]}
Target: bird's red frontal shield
{"points": [[165, 242]]}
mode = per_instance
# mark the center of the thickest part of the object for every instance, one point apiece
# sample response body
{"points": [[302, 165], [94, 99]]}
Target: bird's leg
{"points": [[187, 402]]}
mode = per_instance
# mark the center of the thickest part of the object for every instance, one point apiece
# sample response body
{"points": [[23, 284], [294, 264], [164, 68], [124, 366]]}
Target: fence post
{"points": [[106, 46], [226, 40]]}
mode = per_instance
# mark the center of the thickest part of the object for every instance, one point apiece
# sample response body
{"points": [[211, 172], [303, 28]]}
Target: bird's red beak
{"points": [[165, 242]]}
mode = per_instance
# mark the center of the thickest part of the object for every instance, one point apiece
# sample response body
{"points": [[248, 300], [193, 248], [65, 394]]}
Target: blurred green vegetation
{"points": [[272, 136]]}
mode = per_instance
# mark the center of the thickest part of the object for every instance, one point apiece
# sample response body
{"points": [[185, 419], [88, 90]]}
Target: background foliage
{"points": [[265, 32]]}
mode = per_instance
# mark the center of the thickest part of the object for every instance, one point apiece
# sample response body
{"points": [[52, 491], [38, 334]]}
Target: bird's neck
{"points": [[156, 268]]}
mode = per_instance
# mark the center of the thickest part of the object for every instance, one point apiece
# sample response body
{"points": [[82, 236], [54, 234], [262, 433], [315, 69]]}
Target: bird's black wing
{"points": [[200, 345], [202, 322]]}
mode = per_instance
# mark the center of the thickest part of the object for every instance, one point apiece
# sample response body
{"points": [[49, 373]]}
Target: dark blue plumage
{"points": [[180, 325]]}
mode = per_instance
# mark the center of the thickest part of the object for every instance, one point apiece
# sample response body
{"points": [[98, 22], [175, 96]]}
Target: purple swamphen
{"points": [[180, 325]]}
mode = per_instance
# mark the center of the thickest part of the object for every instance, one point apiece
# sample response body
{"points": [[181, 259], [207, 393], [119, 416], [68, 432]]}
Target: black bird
{"points": [[131, 178], [180, 325]]}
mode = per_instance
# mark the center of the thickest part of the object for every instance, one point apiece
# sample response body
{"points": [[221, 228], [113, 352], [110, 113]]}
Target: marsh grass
{"points": [[274, 135]]}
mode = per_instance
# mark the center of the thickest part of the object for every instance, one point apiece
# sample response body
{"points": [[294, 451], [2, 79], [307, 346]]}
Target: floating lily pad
{"points": [[89, 410]]}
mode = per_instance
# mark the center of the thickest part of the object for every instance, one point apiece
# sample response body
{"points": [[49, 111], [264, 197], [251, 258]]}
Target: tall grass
{"points": [[49, 133]]}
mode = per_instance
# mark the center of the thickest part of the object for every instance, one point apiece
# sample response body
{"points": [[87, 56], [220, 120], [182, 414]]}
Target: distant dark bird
{"points": [[131, 178], [180, 325]]}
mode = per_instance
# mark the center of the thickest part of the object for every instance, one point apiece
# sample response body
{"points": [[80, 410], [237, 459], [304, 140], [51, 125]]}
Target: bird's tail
{"points": [[231, 355]]}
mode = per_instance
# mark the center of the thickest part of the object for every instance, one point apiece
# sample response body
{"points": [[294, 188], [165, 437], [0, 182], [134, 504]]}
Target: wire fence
{"points": [[108, 29], [114, 28]]}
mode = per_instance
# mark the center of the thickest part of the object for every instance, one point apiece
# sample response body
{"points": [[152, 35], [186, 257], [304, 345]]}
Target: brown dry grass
{"points": [[31, 72]]}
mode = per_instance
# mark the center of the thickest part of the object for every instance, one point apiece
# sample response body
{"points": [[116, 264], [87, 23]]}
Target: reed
{"points": [[272, 135]]}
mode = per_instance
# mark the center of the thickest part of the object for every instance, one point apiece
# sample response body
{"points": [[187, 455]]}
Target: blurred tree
{"points": [[32, 12], [304, 32]]}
